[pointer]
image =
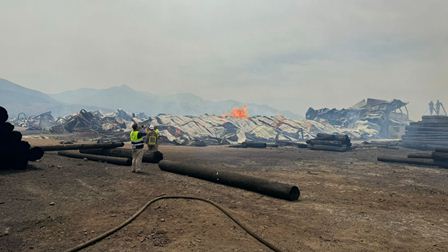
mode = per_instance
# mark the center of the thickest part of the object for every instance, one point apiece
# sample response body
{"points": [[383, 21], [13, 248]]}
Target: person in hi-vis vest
{"points": [[137, 148], [152, 138]]}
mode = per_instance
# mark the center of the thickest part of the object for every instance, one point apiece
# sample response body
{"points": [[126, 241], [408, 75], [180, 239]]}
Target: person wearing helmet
{"points": [[137, 147], [152, 138]]}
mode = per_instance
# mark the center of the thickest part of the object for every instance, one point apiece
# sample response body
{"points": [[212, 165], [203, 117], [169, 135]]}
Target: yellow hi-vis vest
{"points": [[152, 137], [137, 142]]}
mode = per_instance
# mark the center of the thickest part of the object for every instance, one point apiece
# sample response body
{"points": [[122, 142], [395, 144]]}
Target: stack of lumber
{"points": [[438, 158], [429, 133], [14, 153], [330, 142]]}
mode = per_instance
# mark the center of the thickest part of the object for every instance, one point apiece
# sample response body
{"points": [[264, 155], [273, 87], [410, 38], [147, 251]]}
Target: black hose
{"points": [[115, 229]]}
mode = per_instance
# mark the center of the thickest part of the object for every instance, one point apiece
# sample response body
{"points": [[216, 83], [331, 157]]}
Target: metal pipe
{"points": [[148, 157], [263, 186], [420, 155], [328, 142], [441, 149], [417, 161], [333, 137], [442, 156], [329, 148], [79, 146], [111, 160]]}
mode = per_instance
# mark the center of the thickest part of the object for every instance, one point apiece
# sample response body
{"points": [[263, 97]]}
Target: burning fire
{"points": [[241, 113]]}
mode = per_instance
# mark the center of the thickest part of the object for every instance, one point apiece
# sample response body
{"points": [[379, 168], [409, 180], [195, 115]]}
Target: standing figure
{"points": [[152, 138], [431, 107], [137, 148], [439, 106]]}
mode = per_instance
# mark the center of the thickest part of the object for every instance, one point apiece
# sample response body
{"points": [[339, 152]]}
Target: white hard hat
{"points": [[151, 127]]}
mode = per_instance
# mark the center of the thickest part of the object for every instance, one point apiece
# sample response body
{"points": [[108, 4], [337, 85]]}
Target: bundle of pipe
{"points": [[14, 153], [263, 186], [429, 133], [330, 142], [148, 157], [438, 158], [99, 158]]}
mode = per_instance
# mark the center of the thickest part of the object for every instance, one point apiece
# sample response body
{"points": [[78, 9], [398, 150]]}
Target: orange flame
{"points": [[241, 113]]}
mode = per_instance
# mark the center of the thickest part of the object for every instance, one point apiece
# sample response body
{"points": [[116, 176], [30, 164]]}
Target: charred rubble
{"points": [[374, 118], [368, 119]]}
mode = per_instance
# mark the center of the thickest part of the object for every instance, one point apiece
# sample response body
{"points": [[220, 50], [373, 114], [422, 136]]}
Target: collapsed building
{"points": [[43, 121], [369, 118], [379, 118]]}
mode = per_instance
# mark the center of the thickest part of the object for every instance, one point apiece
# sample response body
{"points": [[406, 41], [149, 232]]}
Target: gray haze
{"points": [[288, 54]]}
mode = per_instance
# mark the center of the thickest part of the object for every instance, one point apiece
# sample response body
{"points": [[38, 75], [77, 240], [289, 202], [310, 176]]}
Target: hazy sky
{"points": [[288, 54]]}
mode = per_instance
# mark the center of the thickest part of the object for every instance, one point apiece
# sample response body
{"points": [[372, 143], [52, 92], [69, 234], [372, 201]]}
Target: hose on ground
{"points": [[115, 229]]}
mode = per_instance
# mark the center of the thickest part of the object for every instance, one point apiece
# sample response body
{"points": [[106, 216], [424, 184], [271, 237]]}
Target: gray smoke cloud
{"points": [[288, 54]]}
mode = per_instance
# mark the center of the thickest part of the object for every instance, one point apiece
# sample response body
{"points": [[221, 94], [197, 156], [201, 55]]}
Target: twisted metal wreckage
{"points": [[367, 119]]}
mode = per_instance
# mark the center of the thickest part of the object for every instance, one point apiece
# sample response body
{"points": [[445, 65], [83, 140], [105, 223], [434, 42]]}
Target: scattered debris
{"points": [[368, 119], [371, 118]]}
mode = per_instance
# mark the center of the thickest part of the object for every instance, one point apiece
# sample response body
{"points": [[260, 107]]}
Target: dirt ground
{"points": [[349, 202]]}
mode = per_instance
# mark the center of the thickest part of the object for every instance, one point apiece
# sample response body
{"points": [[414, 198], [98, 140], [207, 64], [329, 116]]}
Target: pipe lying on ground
{"points": [[420, 155], [442, 156], [250, 145], [148, 157], [332, 137], [418, 161], [442, 150], [263, 186], [328, 142], [79, 146], [329, 148], [254, 145], [111, 160]]}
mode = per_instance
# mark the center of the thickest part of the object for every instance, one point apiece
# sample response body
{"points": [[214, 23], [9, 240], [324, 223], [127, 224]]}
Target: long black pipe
{"points": [[111, 160], [415, 161], [148, 157], [329, 148], [61, 147], [263, 186]]}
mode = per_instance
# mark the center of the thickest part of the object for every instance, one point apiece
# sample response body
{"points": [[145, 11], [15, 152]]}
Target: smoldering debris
{"points": [[372, 117], [368, 119]]}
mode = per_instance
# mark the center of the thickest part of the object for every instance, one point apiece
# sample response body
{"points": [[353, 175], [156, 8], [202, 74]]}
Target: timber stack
{"points": [[428, 134], [14, 153], [330, 142]]}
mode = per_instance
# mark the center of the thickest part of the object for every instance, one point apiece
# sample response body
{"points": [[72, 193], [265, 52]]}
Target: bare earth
{"points": [[349, 202]]}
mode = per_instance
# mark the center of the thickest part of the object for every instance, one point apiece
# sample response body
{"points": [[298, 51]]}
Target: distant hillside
{"points": [[17, 99], [180, 104]]}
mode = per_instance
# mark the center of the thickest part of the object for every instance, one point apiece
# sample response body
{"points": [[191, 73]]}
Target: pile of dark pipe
{"points": [[14, 153], [330, 142], [438, 158]]}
